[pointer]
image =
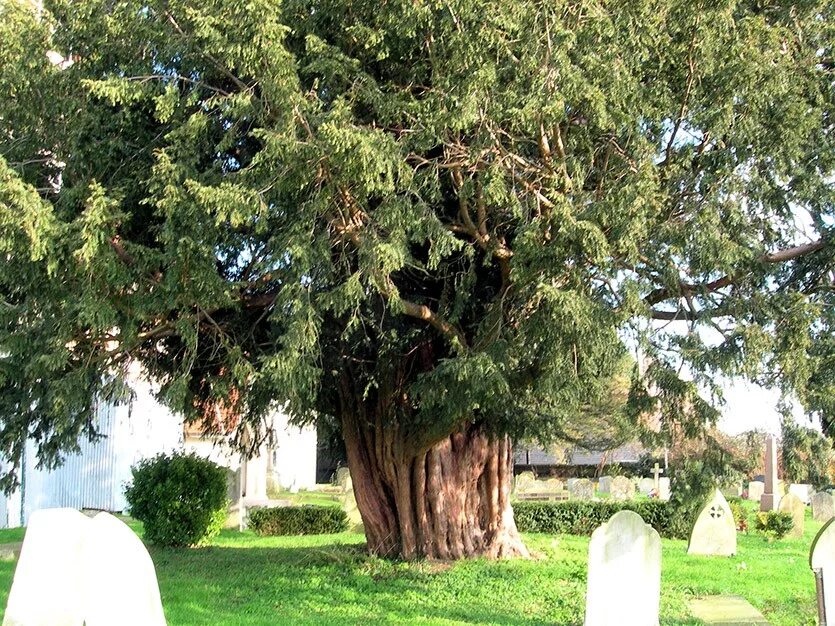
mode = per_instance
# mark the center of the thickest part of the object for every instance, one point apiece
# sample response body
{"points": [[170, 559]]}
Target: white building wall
{"points": [[293, 454]]}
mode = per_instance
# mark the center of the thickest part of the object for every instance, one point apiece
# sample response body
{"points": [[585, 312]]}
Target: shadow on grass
{"points": [[341, 584]]}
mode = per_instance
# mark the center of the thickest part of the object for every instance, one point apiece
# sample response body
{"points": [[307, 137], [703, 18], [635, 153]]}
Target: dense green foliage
{"points": [[773, 524], [806, 455], [582, 518], [180, 498], [298, 520], [446, 211]]}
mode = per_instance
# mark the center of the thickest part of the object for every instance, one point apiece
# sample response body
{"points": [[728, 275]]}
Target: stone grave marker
{"points": [[624, 573], [822, 562], [604, 484], [553, 485], [121, 584], [569, 483], [756, 489], [74, 570], [790, 503], [802, 491], [622, 488], [524, 481], [343, 479], [664, 490], [770, 499], [823, 506], [646, 485], [581, 489], [714, 533]]}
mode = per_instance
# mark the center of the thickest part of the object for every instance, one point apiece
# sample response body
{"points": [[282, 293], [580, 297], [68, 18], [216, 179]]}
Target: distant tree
{"points": [[432, 221], [806, 455]]}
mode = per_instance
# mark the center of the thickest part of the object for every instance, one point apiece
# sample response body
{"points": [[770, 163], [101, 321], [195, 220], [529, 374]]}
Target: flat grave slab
{"points": [[726, 610]]}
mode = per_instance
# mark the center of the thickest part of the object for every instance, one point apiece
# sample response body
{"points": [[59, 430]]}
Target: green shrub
{"points": [[180, 498], [740, 514], [298, 520], [583, 517], [773, 524]]}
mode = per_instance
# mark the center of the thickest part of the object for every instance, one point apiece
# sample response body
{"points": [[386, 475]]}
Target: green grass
{"points": [[308, 497], [242, 579]]}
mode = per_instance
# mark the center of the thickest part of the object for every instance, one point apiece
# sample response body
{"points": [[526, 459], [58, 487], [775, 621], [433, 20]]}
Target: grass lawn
{"points": [[247, 580]]}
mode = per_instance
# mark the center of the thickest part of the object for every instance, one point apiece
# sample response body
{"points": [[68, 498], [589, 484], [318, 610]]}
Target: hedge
{"points": [[583, 517], [298, 520]]}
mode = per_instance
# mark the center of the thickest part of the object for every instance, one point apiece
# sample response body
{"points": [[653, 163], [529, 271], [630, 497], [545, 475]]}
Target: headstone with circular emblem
{"points": [[714, 533]]}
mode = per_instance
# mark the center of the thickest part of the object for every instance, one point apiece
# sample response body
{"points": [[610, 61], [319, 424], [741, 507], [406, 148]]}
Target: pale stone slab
{"points": [[822, 562], [726, 610], [121, 583], [343, 479], [756, 489], [581, 489], [802, 491], [790, 503], [770, 500], [622, 488], [524, 481], [646, 486], [823, 506], [664, 489], [553, 485], [624, 573], [604, 485], [348, 502], [714, 533], [47, 589]]}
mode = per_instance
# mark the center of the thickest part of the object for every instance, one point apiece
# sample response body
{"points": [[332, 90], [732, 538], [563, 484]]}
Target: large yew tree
{"points": [[438, 222]]}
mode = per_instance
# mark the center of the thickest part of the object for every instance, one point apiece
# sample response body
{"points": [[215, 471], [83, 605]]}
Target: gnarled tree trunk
{"points": [[445, 501]]}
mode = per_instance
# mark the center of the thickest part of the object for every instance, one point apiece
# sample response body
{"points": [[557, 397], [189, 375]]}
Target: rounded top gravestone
{"points": [[822, 560], [823, 506], [581, 489], [714, 533], [790, 503], [622, 488], [624, 573]]}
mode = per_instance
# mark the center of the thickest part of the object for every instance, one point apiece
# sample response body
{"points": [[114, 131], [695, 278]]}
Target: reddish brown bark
{"points": [[449, 500]]}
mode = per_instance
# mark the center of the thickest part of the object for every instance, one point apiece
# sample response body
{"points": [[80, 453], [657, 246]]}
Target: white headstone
{"points": [[802, 491], [622, 489], [74, 570], [122, 584], [581, 489], [822, 562], [823, 506], [604, 485], [48, 589], [523, 481], [664, 489], [646, 486], [714, 533], [756, 489], [624, 574]]}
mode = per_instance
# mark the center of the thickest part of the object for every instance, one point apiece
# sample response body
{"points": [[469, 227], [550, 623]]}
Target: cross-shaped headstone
{"points": [[656, 472]]}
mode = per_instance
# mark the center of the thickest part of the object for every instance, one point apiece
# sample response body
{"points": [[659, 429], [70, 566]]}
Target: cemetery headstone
{"points": [[622, 488], [656, 474], [802, 491], [348, 502], [604, 484], [581, 489], [646, 486], [523, 481], [343, 479], [756, 489], [733, 490], [553, 485], [74, 570], [822, 562], [624, 573], [664, 490], [569, 483], [121, 584], [770, 499], [823, 506], [790, 503], [714, 533]]}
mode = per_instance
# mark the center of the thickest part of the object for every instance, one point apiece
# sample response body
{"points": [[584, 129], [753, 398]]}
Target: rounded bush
{"points": [[180, 498]]}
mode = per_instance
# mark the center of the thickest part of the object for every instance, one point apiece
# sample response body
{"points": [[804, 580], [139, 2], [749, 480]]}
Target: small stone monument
{"points": [[646, 485], [770, 499], [524, 481], [823, 506], [624, 573], [822, 562], [664, 490], [622, 488], [581, 489], [656, 474], [790, 503], [74, 570], [553, 485], [604, 484], [756, 489], [714, 533], [802, 491], [343, 479]]}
